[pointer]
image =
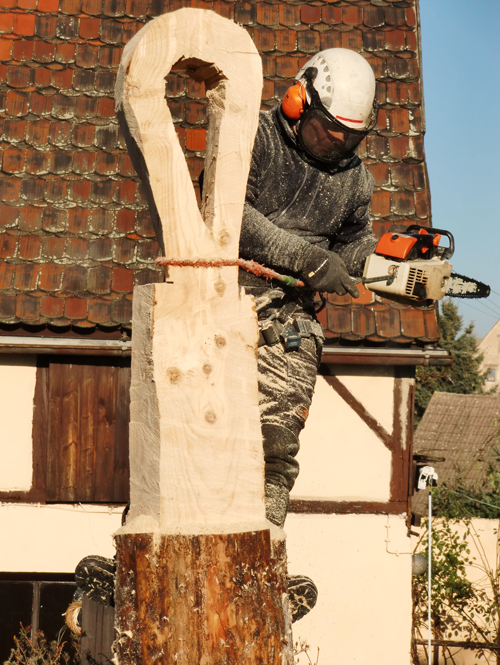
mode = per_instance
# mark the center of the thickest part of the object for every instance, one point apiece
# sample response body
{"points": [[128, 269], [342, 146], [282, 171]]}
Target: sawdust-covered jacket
{"points": [[293, 202]]}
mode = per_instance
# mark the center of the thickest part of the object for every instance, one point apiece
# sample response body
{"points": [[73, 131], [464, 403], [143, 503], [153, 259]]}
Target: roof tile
{"points": [[52, 308], [30, 247], [99, 311], [339, 319], [75, 308], [6, 275], [8, 308], [388, 323], [99, 280], [412, 323], [28, 308], [51, 276]]}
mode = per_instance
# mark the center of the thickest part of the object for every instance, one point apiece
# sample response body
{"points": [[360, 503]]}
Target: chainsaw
{"points": [[414, 266]]}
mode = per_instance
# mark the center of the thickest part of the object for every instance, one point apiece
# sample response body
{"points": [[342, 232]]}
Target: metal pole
{"points": [[429, 581]]}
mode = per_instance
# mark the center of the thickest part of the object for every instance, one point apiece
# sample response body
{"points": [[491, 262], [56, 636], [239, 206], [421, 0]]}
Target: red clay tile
{"points": [[59, 133], [51, 276], [286, 40], [22, 50], [380, 172], [196, 139], [124, 192], [30, 218], [79, 191], [60, 161], [411, 40], [99, 310], [40, 104], [10, 188], [397, 92], [122, 311], [65, 53], [381, 203], [101, 249], [101, 191], [70, 6], [289, 15], [148, 250], [308, 41], [62, 79], [26, 276], [78, 220], [83, 135], [84, 80], [109, 56], [245, 13], [125, 221], [431, 324], [111, 31], [52, 308], [14, 160], [353, 40], [352, 15], [363, 321], [419, 176], [123, 280], [42, 77], [373, 40], [7, 307], [268, 90], [8, 246], [310, 13], [30, 247], [83, 162], [101, 221], [373, 17], [38, 132], [77, 248], [54, 219], [86, 107], [365, 297], [6, 22], [47, 6], [399, 147], [53, 247], [106, 138], [125, 166], [331, 39], [395, 40], [74, 279], [43, 52], [331, 14], [6, 49], [46, 26], [106, 163], [56, 191], [220, 7], [410, 17], [99, 280], [402, 175], [267, 14], [123, 250], [67, 27], [27, 307], [287, 66], [6, 273], [422, 204], [148, 276], [339, 319], [388, 323], [89, 28], [62, 106], [17, 103], [8, 216], [92, 7], [335, 299], [398, 120], [24, 25], [403, 203], [395, 16], [87, 55], [264, 38], [75, 308], [412, 323]]}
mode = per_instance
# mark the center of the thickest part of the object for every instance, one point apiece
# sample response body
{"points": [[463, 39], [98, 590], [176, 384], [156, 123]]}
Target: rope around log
{"points": [[72, 615], [250, 266]]}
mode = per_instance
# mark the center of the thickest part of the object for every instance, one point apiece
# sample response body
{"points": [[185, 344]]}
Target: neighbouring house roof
{"points": [[75, 233], [464, 430]]}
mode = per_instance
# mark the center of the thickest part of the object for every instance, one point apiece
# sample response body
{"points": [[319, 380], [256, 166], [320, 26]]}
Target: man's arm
{"points": [[356, 241]]}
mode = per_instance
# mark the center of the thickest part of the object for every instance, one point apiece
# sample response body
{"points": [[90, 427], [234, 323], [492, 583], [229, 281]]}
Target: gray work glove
{"points": [[325, 271]]}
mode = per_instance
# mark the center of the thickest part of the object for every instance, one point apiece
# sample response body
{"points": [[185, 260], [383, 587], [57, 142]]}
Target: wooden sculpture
{"points": [[198, 578]]}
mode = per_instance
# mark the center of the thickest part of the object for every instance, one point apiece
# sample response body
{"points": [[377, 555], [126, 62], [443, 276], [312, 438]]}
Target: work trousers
{"points": [[286, 386]]}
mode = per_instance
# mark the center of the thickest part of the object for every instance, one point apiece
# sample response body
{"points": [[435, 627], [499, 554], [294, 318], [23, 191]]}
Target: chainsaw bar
{"points": [[460, 286]]}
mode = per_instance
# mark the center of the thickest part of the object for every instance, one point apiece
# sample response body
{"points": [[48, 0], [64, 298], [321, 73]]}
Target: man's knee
{"points": [[281, 445]]}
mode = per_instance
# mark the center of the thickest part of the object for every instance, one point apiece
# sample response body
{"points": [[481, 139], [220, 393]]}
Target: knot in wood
{"points": [[220, 341], [210, 417]]}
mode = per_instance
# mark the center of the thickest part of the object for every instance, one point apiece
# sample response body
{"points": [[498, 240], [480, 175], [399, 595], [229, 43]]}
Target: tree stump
{"points": [[197, 582]]}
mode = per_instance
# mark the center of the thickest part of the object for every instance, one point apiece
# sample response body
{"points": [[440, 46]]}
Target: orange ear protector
{"points": [[294, 100]]}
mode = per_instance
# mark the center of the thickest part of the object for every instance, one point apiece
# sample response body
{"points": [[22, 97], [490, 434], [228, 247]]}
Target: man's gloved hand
{"points": [[325, 271]]}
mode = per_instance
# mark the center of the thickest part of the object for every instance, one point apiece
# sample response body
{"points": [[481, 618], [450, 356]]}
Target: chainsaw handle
{"points": [[447, 252]]}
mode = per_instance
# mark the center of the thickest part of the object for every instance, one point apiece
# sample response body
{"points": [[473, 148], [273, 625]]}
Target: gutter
{"points": [[360, 356], [65, 346], [123, 348]]}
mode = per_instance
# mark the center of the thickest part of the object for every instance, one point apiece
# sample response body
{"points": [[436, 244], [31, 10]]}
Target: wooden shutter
{"points": [[87, 446]]}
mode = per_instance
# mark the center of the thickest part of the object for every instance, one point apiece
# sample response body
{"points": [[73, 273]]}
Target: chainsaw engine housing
{"points": [[420, 279]]}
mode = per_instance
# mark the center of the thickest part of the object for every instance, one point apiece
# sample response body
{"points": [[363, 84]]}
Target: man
{"points": [[306, 214]]}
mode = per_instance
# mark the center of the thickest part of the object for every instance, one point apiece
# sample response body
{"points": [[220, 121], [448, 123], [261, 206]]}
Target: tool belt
{"points": [[283, 327]]}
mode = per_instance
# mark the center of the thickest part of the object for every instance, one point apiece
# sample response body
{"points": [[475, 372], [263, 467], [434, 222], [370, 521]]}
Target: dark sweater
{"points": [[293, 203]]}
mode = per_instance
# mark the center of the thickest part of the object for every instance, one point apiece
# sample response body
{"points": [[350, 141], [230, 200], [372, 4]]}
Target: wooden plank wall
{"points": [[87, 450]]}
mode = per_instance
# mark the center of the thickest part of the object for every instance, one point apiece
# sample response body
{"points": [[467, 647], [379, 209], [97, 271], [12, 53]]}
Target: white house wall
{"points": [[363, 613], [54, 538], [340, 457], [17, 389]]}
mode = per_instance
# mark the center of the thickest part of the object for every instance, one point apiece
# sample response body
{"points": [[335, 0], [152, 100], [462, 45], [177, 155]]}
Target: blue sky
{"points": [[461, 73]]}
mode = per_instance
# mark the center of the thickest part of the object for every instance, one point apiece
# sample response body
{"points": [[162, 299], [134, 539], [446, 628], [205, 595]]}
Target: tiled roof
{"points": [[75, 233], [464, 430]]}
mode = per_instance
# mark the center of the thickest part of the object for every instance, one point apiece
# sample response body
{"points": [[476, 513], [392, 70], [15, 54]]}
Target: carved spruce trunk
{"points": [[197, 578]]}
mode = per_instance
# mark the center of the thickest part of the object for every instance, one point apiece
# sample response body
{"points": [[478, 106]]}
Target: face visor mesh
{"points": [[323, 137]]}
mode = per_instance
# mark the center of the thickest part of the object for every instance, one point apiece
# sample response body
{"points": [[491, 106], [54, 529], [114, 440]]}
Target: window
{"points": [[491, 375], [80, 431], [38, 602]]}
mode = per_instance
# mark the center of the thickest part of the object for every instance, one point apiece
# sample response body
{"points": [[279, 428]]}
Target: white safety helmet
{"points": [[337, 87]]}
